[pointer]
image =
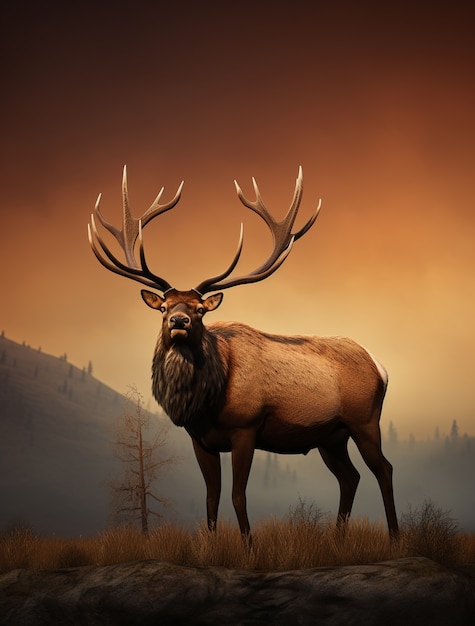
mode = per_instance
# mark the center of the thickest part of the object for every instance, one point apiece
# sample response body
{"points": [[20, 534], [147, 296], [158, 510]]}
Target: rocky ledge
{"points": [[406, 591]]}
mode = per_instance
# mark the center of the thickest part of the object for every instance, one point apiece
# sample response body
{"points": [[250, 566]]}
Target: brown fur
{"points": [[235, 389], [189, 384]]}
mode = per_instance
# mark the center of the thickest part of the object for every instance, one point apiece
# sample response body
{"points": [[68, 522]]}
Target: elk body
{"points": [[235, 389]]}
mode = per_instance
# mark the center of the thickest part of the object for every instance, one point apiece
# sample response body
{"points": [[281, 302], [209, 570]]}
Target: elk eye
{"points": [[200, 310], [162, 309]]}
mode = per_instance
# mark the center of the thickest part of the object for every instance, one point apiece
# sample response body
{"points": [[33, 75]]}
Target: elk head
{"points": [[182, 314], [183, 310]]}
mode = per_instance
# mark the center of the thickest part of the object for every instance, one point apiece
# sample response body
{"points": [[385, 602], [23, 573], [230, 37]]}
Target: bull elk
{"points": [[235, 389]]}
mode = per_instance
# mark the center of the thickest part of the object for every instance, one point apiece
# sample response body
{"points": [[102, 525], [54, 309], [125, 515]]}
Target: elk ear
{"points": [[152, 299], [212, 302]]}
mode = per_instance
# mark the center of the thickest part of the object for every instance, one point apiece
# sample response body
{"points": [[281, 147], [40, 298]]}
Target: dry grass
{"points": [[305, 538], [428, 531]]}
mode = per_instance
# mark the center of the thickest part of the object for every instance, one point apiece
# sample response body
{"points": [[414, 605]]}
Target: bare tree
{"points": [[142, 459]]}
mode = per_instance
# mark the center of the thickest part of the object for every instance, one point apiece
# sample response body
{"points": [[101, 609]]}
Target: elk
{"points": [[235, 389]]}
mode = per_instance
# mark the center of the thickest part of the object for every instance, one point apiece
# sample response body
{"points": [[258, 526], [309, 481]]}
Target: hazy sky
{"points": [[376, 100]]}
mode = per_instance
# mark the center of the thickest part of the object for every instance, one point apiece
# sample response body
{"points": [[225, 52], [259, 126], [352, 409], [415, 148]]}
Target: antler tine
{"points": [[127, 237], [204, 286], [258, 205], [281, 231], [130, 228], [142, 275], [115, 265], [282, 236], [284, 227], [157, 209], [162, 284], [310, 222]]}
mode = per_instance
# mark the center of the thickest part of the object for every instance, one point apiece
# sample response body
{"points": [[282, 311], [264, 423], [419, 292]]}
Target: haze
{"points": [[375, 100]]}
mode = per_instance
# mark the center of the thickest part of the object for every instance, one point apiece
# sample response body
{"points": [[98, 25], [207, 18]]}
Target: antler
{"points": [[127, 237], [281, 233]]}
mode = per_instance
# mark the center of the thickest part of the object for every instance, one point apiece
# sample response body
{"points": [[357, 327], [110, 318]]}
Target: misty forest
{"points": [[60, 468]]}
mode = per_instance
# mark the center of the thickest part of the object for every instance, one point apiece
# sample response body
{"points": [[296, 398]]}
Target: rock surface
{"points": [[406, 591]]}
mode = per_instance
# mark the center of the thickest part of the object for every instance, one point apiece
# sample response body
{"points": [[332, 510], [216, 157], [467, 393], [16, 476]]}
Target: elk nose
{"points": [[180, 321]]}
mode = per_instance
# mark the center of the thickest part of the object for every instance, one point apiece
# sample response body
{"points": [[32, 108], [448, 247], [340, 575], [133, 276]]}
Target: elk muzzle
{"points": [[179, 326]]}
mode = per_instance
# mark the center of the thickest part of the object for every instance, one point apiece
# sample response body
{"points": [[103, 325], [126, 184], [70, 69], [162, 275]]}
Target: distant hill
{"points": [[57, 425]]}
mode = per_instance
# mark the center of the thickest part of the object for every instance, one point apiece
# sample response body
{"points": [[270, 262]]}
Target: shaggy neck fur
{"points": [[189, 383]]}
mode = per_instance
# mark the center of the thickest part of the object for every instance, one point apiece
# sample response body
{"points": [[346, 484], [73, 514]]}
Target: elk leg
{"points": [[242, 453], [340, 465], [368, 442], [210, 465]]}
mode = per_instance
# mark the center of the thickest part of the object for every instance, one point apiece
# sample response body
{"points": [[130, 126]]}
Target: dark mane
{"points": [[189, 384]]}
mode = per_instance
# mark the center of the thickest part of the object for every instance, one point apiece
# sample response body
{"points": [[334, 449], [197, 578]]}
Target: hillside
{"points": [[56, 425], [35, 388]]}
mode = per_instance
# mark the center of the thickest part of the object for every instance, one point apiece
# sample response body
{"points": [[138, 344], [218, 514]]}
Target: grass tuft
{"points": [[428, 531]]}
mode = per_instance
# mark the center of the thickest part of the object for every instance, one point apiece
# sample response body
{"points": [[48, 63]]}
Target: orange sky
{"points": [[375, 102]]}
